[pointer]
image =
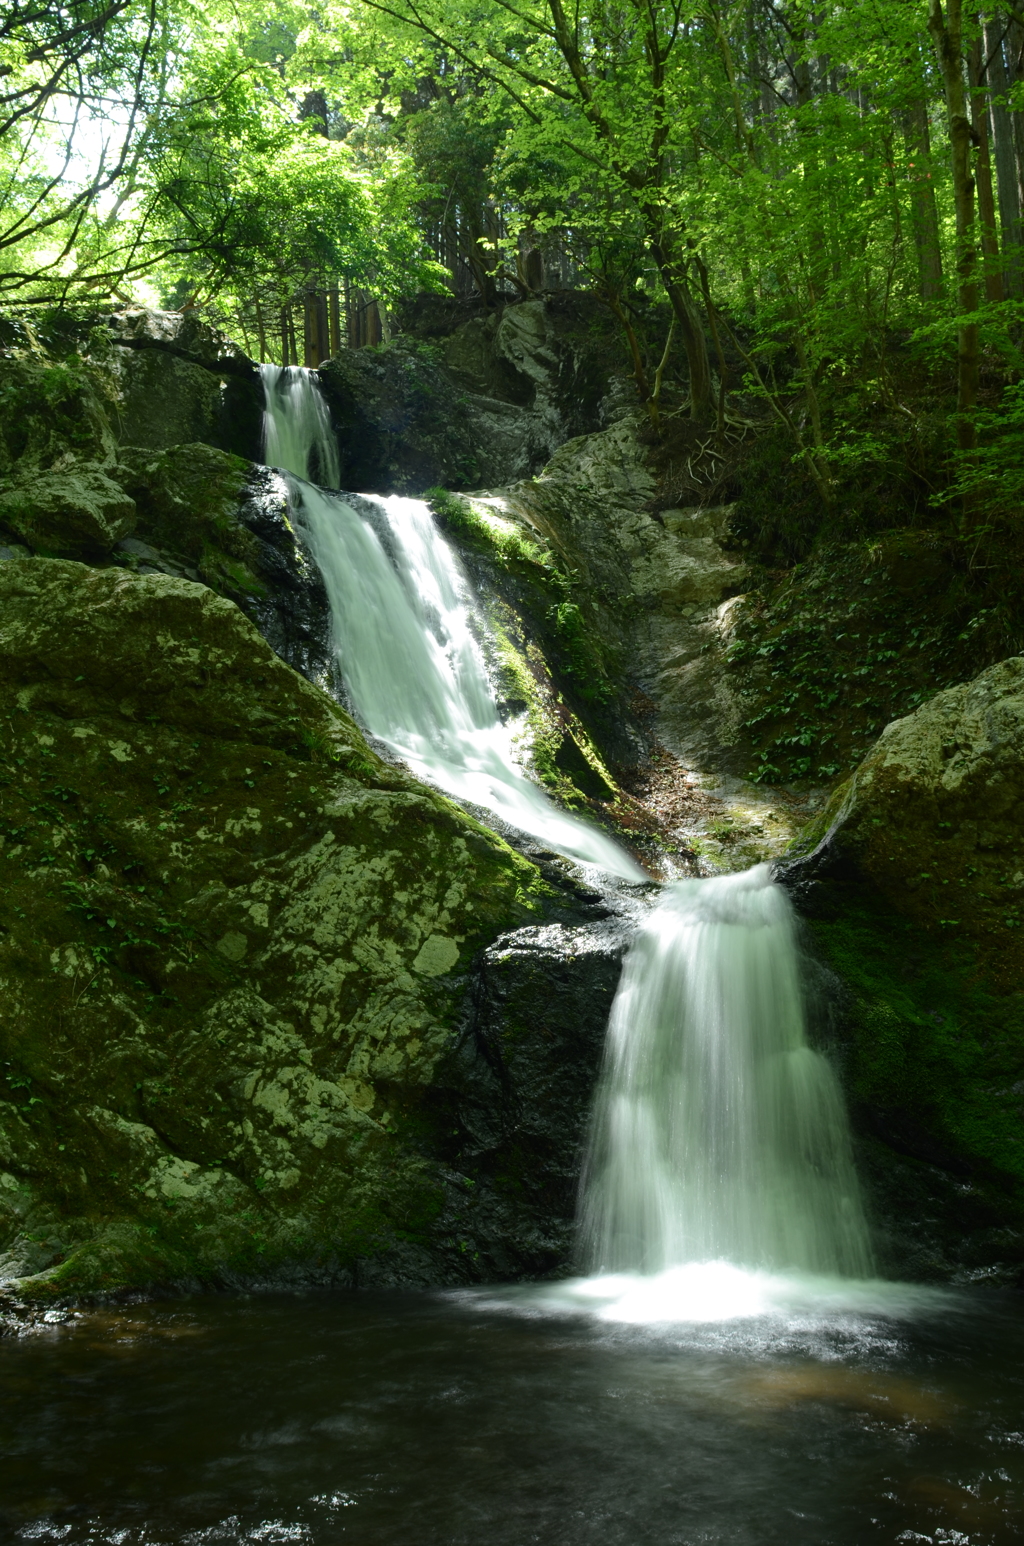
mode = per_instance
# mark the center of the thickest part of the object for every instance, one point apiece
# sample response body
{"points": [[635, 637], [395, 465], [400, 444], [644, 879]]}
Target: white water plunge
{"points": [[718, 1134], [402, 615]]}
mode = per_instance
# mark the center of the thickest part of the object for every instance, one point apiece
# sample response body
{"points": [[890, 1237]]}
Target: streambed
{"points": [[504, 1417]]}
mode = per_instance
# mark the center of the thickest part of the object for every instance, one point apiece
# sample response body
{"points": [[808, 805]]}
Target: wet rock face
{"points": [[486, 404], [656, 591], [182, 381], [207, 516], [231, 943], [512, 1105]]}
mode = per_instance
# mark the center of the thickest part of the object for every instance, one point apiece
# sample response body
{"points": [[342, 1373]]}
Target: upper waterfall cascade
{"points": [[718, 1133], [403, 620]]}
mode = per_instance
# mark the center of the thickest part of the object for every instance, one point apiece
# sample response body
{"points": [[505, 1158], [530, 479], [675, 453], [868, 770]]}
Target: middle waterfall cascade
{"points": [[718, 1134], [402, 617]]}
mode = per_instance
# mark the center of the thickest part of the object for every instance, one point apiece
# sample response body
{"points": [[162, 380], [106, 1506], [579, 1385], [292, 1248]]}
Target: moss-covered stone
{"points": [[485, 401], [913, 875], [550, 670], [932, 817], [52, 411], [74, 512], [230, 946]]}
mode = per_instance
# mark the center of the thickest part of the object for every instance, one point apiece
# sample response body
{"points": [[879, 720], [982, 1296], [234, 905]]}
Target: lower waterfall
{"points": [[718, 1134], [402, 617]]}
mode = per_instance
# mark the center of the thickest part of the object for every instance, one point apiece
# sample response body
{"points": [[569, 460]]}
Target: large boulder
{"points": [[76, 511], [233, 951], [934, 815], [53, 411], [206, 515], [479, 403], [180, 380], [81, 386], [912, 880]]}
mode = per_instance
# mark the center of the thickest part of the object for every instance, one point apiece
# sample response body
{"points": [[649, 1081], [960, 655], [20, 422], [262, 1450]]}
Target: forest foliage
{"points": [[812, 213]]}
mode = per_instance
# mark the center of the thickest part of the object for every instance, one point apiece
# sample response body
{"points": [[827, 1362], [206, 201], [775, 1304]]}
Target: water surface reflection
{"points": [[513, 1416]]}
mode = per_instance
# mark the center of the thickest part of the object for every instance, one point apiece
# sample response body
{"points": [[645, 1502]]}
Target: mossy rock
{"points": [[52, 410], [934, 817], [74, 512], [913, 878], [232, 949]]}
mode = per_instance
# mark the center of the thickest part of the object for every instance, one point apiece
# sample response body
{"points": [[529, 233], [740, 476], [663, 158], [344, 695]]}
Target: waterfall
{"points": [[404, 637], [718, 1135], [719, 1148]]}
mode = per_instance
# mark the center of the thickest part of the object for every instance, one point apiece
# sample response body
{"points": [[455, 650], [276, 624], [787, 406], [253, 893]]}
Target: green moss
{"points": [[49, 408], [856, 636], [536, 587], [228, 934], [931, 1037]]}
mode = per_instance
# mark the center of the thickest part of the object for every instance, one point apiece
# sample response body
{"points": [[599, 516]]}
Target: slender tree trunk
{"points": [[639, 374], [1014, 51], [983, 168], [323, 336], [947, 34], [686, 314], [924, 214], [817, 247], [261, 331], [309, 329], [335, 320], [471, 236], [1006, 161]]}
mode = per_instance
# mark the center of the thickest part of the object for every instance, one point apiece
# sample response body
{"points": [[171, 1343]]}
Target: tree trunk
{"points": [[947, 34], [686, 314], [924, 215], [1007, 183], [323, 334], [309, 358], [335, 320], [1014, 51], [983, 167], [817, 247]]}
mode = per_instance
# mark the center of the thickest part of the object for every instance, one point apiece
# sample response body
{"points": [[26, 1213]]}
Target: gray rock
{"points": [[486, 404], [664, 589]]}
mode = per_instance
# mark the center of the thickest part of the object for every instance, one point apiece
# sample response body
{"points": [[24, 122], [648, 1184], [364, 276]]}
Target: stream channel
{"points": [[725, 1367]]}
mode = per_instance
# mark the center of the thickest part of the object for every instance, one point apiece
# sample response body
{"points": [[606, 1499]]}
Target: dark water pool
{"points": [[482, 1420]]}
